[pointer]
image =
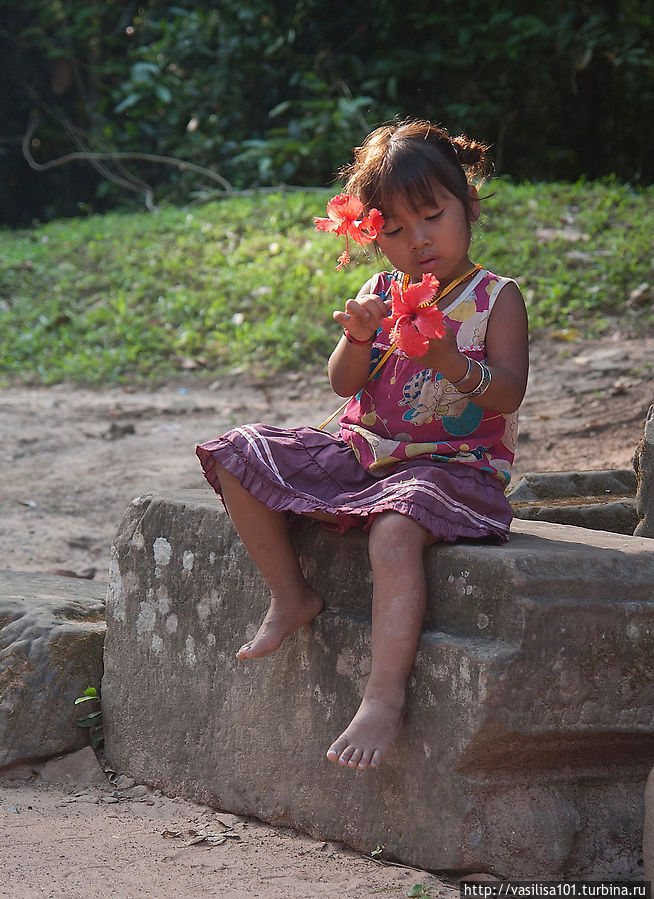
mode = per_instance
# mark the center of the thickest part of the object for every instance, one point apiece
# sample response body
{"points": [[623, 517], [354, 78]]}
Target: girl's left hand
{"points": [[442, 354]]}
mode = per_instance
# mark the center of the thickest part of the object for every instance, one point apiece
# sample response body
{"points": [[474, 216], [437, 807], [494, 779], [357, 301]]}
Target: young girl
{"points": [[424, 449]]}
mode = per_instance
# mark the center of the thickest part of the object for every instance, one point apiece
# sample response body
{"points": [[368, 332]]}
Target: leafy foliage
{"points": [[279, 93], [248, 283], [93, 720]]}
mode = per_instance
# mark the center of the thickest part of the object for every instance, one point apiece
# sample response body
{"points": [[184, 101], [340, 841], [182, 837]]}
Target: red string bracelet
{"points": [[350, 339]]}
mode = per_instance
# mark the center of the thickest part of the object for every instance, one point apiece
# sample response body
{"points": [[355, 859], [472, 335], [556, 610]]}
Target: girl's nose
{"points": [[419, 238]]}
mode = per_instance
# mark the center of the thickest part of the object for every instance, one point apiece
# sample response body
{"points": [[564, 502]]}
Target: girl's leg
{"points": [[264, 532], [399, 595]]}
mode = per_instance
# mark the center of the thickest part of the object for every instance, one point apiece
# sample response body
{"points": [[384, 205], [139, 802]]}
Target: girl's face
{"points": [[432, 239]]}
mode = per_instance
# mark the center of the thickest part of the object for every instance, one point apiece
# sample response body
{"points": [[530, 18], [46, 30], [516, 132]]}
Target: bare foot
{"points": [[372, 730], [282, 618]]}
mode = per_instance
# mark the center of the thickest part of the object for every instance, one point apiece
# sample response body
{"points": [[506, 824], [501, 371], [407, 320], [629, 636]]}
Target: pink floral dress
{"points": [[407, 411], [409, 443]]}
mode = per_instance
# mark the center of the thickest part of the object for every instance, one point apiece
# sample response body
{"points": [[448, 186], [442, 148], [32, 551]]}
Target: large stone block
{"points": [[529, 731], [648, 829], [644, 465], [602, 500], [51, 640]]}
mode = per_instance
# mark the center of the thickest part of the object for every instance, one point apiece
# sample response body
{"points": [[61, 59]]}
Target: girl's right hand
{"points": [[363, 316]]}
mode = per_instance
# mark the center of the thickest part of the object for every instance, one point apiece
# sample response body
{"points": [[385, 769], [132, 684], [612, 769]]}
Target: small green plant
{"points": [[94, 719], [419, 889]]}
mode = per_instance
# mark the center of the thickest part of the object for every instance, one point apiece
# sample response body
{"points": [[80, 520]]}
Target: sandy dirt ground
{"points": [[72, 459], [81, 840]]}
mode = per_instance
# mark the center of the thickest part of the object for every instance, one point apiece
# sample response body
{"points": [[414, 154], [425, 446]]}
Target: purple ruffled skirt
{"points": [[307, 470]]}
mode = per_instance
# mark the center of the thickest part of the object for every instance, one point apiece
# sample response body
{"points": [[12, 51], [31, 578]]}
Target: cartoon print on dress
{"points": [[472, 333], [472, 330], [501, 469], [467, 421], [429, 395], [465, 310], [381, 450], [463, 454]]}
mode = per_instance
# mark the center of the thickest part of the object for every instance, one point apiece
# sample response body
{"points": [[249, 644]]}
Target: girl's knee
{"points": [[394, 538]]}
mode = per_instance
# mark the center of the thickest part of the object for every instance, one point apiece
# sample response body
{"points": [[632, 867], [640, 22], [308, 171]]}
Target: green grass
{"points": [[246, 282]]}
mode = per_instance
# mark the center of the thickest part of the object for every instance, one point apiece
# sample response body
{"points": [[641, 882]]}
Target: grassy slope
{"points": [[247, 282]]}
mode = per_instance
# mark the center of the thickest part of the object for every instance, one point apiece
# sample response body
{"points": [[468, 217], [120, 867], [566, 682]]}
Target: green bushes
{"points": [[266, 92]]}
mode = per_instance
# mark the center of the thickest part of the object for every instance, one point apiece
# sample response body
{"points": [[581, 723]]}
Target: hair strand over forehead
{"points": [[414, 162]]}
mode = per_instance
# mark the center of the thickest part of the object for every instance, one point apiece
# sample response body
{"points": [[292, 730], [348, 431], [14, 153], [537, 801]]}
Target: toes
{"points": [[342, 752], [375, 761], [364, 761], [355, 758], [335, 750], [258, 648], [346, 755]]}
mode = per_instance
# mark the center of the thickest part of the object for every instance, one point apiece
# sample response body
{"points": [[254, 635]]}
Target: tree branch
{"points": [[180, 164]]}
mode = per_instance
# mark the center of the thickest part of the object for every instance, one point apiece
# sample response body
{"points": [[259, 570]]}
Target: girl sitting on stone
{"points": [[424, 448]]}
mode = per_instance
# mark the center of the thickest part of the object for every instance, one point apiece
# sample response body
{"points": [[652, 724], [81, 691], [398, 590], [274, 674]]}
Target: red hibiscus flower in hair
{"points": [[345, 216], [413, 320]]}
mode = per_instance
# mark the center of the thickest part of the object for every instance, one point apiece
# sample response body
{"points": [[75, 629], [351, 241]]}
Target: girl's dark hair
{"points": [[411, 159]]}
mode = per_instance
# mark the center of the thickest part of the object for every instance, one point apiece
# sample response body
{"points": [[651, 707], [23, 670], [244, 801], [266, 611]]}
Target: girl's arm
{"points": [[507, 355], [349, 364], [507, 352]]}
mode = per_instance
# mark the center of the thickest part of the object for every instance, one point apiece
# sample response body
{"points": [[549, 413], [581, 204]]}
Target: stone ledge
{"points": [[602, 500], [51, 640], [529, 730]]}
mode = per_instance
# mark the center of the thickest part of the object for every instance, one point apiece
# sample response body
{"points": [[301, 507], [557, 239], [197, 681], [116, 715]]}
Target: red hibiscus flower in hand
{"points": [[345, 216], [413, 321]]}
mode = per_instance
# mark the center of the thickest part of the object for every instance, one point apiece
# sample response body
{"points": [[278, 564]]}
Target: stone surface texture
{"points": [[529, 730], [644, 465], [51, 641], [648, 830], [80, 768], [603, 500]]}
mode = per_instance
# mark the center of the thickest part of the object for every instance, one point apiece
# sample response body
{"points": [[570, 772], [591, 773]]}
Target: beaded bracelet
{"points": [[484, 384], [465, 377], [350, 339]]}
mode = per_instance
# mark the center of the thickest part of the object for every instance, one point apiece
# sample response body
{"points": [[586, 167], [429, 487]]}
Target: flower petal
{"points": [[408, 338], [429, 321], [368, 228], [323, 224], [415, 294], [398, 305], [345, 208], [374, 222]]}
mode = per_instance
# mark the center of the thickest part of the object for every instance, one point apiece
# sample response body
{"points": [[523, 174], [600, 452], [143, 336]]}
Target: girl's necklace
{"points": [[442, 293]]}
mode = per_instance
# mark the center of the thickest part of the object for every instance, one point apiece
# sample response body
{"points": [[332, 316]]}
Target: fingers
{"points": [[369, 307], [362, 316]]}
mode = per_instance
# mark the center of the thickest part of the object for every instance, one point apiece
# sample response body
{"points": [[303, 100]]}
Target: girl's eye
{"points": [[391, 233], [436, 215]]}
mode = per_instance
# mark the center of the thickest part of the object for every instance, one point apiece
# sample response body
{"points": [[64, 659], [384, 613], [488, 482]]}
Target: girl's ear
{"points": [[474, 209]]}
